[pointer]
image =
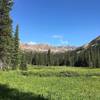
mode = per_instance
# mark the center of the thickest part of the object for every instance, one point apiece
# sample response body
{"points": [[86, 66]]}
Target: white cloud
{"points": [[60, 39], [65, 42], [31, 43]]}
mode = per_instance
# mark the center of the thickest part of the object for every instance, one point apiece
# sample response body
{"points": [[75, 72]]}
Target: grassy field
{"points": [[50, 83]]}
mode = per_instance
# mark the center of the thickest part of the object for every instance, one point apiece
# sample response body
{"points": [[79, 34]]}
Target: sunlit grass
{"points": [[56, 83]]}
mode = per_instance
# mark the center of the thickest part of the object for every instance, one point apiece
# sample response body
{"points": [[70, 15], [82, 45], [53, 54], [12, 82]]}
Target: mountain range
{"points": [[45, 47]]}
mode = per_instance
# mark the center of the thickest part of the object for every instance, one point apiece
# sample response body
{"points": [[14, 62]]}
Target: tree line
{"points": [[85, 58]]}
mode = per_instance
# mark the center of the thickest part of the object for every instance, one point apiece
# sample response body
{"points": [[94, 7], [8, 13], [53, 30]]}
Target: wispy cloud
{"points": [[61, 39], [64, 42], [31, 43]]}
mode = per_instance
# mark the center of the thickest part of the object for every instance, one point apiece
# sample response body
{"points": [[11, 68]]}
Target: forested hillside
{"points": [[85, 56]]}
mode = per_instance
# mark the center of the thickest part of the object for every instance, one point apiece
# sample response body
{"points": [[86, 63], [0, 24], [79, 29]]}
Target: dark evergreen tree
{"points": [[15, 58], [23, 63], [49, 57], [5, 32]]}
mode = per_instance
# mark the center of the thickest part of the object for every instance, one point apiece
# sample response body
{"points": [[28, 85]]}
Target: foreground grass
{"points": [[50, 83]]}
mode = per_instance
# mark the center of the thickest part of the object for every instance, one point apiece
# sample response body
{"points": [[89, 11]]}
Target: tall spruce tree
{"points": [[49, 57], [5, 32], [15, 58]]}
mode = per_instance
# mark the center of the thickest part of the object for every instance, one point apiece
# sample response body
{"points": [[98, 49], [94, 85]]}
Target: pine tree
{"points": [[5, 32], [15, 60], [49, 57], [23, 64]]}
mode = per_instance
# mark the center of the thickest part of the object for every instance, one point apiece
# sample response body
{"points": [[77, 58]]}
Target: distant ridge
{"points": [[45, 48], [92, 44]]}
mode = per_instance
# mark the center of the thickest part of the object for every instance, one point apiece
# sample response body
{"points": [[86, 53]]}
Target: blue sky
{"points": [[57, 22]]}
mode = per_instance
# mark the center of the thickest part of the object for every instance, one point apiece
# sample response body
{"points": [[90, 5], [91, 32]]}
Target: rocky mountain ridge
{"points": [[92, 44], [45, 48]]}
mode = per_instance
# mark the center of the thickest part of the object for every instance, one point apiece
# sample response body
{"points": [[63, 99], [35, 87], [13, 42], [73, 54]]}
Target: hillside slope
{"points": [[95, 43]]}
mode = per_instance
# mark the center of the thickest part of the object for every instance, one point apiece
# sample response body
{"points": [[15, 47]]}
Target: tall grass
{"points": [[53, 83]]}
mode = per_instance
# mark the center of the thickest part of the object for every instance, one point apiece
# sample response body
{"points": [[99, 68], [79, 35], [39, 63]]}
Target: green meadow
{"points": [[50, 83]]}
